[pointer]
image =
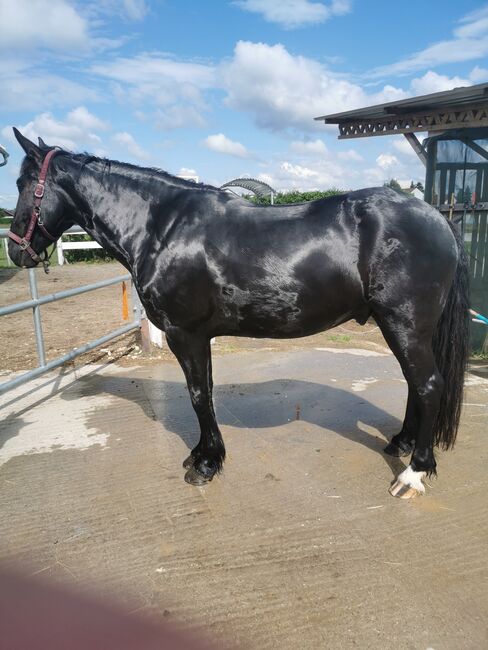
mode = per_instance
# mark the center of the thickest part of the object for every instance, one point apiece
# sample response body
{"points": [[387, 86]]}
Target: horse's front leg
{"points": [[193, 353]]}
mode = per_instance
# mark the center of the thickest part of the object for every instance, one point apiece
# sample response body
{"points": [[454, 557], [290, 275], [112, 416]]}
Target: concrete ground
{"points": [[297, 545]]}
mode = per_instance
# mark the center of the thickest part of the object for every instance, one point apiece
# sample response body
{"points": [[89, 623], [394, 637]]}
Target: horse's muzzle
{"points": [[20, 257]]}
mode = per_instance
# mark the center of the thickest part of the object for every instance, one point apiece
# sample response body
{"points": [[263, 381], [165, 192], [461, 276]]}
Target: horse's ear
{"points": [[29, 147], [42, 144]]}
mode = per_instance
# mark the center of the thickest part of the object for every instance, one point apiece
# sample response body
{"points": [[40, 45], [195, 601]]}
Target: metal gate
{"points": [[139, 321], [459, 182]]}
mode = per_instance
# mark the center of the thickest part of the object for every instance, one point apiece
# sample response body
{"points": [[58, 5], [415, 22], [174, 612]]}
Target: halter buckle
{"points": [[37, 210], [24, 244], [39, 191]]}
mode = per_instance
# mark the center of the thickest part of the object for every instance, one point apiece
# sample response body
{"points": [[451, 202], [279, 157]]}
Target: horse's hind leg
{"points": [[413, 349], [402, 443], [193, 354]]}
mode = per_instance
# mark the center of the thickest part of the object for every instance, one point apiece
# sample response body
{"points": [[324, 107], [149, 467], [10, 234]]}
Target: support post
{"points": [[59, 248], [416, 145], [7, 256], [140, 315], [36, 313], [430, 174]]}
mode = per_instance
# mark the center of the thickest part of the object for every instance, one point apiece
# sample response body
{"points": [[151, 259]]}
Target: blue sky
{"points": [[229, 88]]}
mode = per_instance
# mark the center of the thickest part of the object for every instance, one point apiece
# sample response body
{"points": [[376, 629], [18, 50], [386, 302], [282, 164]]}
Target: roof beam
{"points": [[414, 142], [414, 122], [475, 147]]}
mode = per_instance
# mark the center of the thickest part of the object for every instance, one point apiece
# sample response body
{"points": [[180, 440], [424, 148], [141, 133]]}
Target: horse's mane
{"points": [[107, 166]]}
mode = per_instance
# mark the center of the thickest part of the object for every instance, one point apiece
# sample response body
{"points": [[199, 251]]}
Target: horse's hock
{"points": [[296, 544]]}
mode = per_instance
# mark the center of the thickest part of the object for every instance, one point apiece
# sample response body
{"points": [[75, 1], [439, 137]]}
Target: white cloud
{"points": [[475, 23], [222, 144], [314, 173], [403, 147], [284, 91], [158, 76], [295, 13], [135, 9], [432, 82], [469, 42], [309, 147], [53, 24], [386, 161], [178, 116], [388, 166], [131, 10], [174, 88], [187, 171], [30, 87], [56, 25], [127, 141], [478, 75], [350, 154], [85, 120], [299, 171], [76, 131]]}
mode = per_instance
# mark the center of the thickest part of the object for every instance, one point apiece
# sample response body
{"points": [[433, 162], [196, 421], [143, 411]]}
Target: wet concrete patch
{"points": [[297, 544]]}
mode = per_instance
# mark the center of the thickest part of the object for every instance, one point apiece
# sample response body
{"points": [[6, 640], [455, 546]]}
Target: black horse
{"points": [[207, 263]]}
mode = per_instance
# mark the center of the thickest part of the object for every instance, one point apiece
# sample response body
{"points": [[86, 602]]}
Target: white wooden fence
{"points": [[62, 245]]}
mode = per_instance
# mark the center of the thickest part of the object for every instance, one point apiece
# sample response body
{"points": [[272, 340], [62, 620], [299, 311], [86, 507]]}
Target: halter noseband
{"points": [[35, 220]]}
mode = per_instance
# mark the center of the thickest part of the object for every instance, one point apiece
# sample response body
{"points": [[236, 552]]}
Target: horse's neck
{"points": [[114, 213]]}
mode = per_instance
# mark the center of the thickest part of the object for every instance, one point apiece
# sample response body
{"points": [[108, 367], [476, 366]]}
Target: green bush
{"points": [[281, 198]]}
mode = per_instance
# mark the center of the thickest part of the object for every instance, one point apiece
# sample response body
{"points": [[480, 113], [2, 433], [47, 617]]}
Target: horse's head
{"points": [[40, 217]]}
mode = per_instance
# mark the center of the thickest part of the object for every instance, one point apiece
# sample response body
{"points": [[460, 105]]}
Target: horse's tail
{"points": [[451, 347]]}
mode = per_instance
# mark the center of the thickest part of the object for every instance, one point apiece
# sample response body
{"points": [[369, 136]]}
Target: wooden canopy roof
{"points": [[452, 109]]}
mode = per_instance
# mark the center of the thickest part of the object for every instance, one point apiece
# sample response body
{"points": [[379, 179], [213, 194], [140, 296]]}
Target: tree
{"points": [[393, 184]]}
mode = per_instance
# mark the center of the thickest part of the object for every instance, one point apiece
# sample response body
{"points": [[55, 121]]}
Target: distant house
{"points": [[410, 188]]}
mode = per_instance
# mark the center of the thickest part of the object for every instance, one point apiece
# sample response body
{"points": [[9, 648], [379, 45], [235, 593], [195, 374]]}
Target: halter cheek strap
{"points": [[25, 241]]}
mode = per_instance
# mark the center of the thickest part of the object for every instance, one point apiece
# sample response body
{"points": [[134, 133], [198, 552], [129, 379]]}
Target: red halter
{"points": [[25, 241]]}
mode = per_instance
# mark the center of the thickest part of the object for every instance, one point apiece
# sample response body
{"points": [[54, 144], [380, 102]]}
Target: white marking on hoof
{"points": [[408, 484]]}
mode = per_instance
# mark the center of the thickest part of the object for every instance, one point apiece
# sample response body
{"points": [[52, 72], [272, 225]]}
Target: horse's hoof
{"points": [[194, 477], [399, 452], [408, 484], [188, 462], [403, 490]]}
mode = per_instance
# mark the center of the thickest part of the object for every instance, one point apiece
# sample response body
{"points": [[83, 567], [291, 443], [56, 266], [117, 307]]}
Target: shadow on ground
{"points": [[257, 405]]}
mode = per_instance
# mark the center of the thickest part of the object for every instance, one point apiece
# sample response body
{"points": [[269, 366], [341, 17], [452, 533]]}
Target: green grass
{"points": [[480, 355], [339, 338]]}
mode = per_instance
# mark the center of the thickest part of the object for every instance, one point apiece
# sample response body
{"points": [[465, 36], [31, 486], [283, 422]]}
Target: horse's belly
{"points": [[288, 313]]}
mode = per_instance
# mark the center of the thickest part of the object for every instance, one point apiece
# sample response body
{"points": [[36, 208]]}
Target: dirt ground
{"points": [[74, 321]]}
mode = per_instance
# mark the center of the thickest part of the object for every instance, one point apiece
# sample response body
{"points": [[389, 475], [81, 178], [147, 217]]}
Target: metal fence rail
{"points": [[35, 303]]}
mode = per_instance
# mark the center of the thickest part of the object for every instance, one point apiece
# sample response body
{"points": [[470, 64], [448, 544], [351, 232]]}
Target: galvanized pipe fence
{"points": [[35, 304]]}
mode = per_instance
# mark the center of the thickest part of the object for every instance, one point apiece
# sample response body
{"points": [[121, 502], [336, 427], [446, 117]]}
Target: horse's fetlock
{"points": [[424, 462]]}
